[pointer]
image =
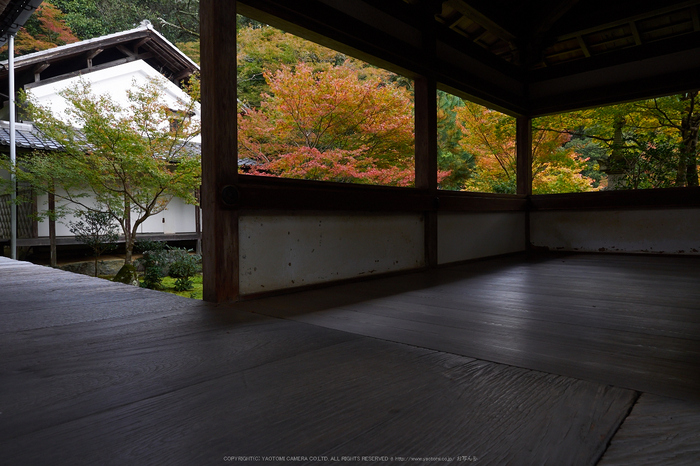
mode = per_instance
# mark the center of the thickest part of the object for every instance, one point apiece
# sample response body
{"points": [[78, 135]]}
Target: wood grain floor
{"points": [[628, 321], [503, 361]]}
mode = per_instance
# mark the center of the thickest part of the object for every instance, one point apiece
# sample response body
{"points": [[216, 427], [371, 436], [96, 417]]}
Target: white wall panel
{"points": [[464, 236], [671, 231], [287, 251]]}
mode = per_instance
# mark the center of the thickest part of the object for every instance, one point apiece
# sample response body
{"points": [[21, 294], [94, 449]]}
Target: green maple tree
{"points": [[490, 136], [637, 145], [126, 160]]}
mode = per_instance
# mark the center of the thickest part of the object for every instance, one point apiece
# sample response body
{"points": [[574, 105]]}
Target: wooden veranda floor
{"points": [[578, 359]]}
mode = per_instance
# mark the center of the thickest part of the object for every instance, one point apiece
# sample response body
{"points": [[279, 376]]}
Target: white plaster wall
{"points": [[464, 236], [42, 203], [114, 81], [179, 218], [672, 231], [286, 251]]}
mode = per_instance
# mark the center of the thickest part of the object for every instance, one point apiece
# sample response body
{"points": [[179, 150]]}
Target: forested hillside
{"points": [[58, 22]]}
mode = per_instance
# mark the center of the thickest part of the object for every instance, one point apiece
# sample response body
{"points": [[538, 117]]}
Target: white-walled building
{"points": [[112, 65]]}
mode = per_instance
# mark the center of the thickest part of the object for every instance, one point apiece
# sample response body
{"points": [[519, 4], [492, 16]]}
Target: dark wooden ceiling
{"points": [[523, 57], [547, 33]]}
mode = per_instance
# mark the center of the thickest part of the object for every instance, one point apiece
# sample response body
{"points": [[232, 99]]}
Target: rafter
{"points": [[602, 27], [554, 14], [38, 69], [482, 19], [92, 54], [635, 33], [140, 43], [584, 47]]}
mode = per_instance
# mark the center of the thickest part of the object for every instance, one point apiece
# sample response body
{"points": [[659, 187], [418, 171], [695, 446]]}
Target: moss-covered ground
{"points": [[169, 286], [194, 293]]}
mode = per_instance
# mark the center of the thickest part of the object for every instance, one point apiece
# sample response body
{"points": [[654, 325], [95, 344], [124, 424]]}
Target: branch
{"points": [[574, 133], [179, 26], [665, 115]]}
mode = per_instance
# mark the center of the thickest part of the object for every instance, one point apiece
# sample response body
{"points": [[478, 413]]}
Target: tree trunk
{"points": [[128, 234], [52, 230], [687, 172], [198, 222], [616, 160], [691, 157]]}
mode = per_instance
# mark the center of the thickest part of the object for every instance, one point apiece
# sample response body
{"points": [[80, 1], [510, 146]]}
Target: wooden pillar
{"points": [[198, 228], [524, 154], [52, 230], [524, 166], [426, 159], [219, 157], [425, 106]]}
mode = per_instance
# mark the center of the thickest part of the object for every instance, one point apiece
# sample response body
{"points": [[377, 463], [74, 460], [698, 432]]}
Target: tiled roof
{"points": [[28, 139]]}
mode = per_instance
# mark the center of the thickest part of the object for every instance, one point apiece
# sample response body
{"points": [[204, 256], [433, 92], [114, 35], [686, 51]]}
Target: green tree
{"points": [[646, 144], [180, 17], [452, 157], [126, 160], [96, 230], [490, 136], [94, 18], [263, 49], [680, 114], [177, 20]]}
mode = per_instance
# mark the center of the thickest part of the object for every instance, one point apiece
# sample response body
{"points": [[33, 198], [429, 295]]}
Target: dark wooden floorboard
{"points": [[658, 431], [630, 321], [98, 373], [361, 397]]}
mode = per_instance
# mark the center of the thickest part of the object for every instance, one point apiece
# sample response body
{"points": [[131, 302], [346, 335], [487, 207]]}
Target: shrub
{"points": [[153, 262], [96, 230], [183, 268], [160, 260]]}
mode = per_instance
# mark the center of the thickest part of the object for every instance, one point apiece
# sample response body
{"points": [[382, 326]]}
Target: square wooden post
{"points": [[52, 230], [219, 150], [426, 159], [523, 146], [425, 106]]}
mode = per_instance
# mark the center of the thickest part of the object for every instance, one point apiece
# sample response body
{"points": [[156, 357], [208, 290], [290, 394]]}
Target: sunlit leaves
{"points": [[645, 144], [336, 124], [490, 136]]}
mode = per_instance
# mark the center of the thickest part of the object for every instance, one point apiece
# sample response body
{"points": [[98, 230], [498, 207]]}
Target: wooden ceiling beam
{"points": [[635, 18], [483, 20], [554, 14], [454, 24], [182, 75], [38, 69], [126, 51], [584, 47], [635, 33], [140, 43], [92, 54]]}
